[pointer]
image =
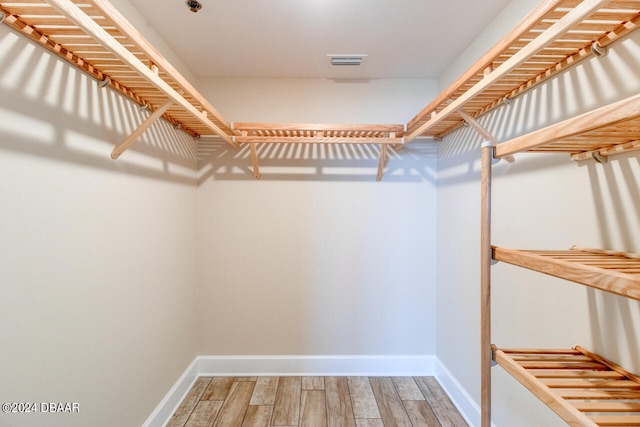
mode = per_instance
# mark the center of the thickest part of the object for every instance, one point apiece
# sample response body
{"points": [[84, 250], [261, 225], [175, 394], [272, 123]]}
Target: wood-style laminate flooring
{"points": [[316, 402]]}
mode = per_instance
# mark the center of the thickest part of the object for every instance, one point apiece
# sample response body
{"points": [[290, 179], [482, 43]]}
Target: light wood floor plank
{"points": [[218, 388], [313, 383], [407, 388], [391, 410], [204, 414], [258, 416], [190, 401], [370, 422], [265, 391], [301, 401], [420, 413], [286, 411], [362, 398], [235, 406], [339, 409], [313, 409], [442, 406]]}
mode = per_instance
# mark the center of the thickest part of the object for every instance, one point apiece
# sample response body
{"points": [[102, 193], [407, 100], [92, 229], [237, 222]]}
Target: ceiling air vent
{"points": [[346, 60]]}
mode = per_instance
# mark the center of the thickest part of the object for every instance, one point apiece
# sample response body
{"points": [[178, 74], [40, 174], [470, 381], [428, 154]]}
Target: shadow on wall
{"points": [[460, 153], [616, 195], [615, 186], [590, 84], [53, 110], [317, 162]]}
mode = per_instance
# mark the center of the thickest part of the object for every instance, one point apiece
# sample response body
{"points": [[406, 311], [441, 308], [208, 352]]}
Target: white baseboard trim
{"points": [[168, 405], [467, 406], [316, 365], [204, 366]]}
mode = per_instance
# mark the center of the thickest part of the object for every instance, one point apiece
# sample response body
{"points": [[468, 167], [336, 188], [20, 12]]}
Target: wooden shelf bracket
{"points": [[602, 154], [79, 18], [122, 147], [383, 161], [254, 159], [471, 121]]}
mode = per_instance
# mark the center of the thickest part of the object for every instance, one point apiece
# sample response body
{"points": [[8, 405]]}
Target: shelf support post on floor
{"points": [[485, 284], [120, 148]]}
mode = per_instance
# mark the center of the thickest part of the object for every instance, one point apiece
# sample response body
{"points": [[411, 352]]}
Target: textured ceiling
{"points": [[292, 38]]}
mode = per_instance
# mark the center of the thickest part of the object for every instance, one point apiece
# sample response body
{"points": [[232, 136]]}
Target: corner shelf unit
{"points": [[582, 388]]}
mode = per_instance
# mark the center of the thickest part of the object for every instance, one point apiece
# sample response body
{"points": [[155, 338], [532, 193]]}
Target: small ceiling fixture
{"points": [[194, 5], [347, 60]]}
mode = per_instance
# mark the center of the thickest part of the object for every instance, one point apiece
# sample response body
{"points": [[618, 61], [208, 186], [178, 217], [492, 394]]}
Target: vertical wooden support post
{"points": [[485, 284]]}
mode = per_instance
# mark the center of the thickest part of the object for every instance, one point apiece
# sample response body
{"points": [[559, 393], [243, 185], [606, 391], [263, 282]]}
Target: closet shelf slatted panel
{"points": [[608, 130], [581, 387], [318, 133], [607, 22], [62, 33], [58, 32], [610, 271], [584, 389]]}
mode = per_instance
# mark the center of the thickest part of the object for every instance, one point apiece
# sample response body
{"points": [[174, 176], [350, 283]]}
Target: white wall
{"points": [[508, 17], [97, 257], [103, 262], [131, 14], [317, 258], [540, 202], [318, 100]]}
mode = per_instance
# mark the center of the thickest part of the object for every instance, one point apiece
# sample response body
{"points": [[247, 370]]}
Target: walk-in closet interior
{"points": [[477, 229]]}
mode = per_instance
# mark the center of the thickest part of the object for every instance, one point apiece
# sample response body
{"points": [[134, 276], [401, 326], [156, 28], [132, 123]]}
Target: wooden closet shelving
{"points": [[582, 388], [554, 36], [618, 273], [595, 134], [95, 37], [557, 34]]}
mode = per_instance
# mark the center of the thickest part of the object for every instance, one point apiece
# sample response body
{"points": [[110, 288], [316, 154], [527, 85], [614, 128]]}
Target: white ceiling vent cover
{"points": [[346, 60]]}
